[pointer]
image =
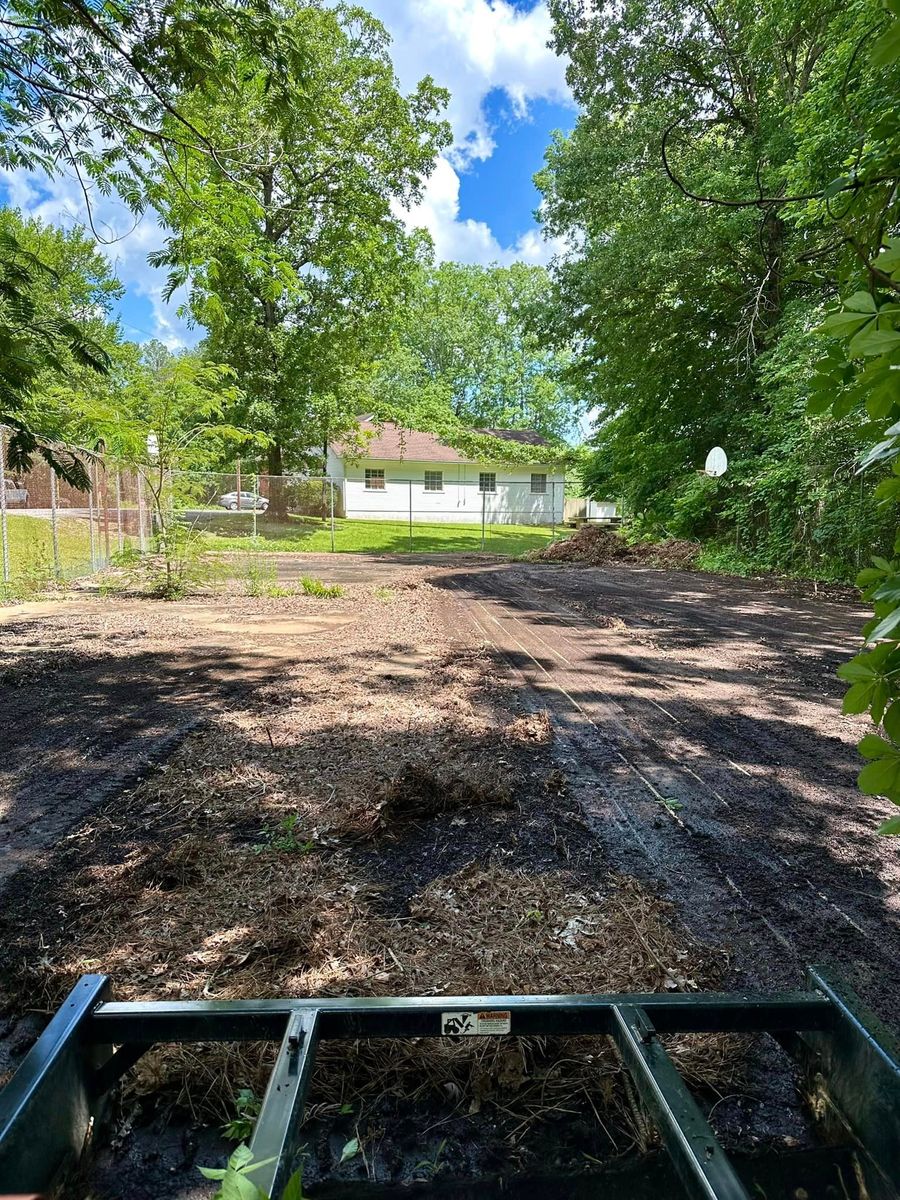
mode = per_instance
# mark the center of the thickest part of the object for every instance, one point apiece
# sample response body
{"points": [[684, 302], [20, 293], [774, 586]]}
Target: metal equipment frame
{"points": [[47, 1108]]}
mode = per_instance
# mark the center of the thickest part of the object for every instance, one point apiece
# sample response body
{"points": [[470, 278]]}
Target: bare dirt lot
{"points": [[462, 776]]}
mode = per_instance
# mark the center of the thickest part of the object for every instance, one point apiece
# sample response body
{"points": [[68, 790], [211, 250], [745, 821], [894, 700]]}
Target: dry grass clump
{"points": [[250, 924], [597, 546], [531, 729]]}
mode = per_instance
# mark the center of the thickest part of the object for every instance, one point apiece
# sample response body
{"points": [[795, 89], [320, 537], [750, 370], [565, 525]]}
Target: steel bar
{"points": [[112, 1070], [700, 1161], [277, 1133], [249, 1020], [54, 523], [142, 532], [120, 532], [4, 527], [91, 531], [46, 1108], [856, 1075]]}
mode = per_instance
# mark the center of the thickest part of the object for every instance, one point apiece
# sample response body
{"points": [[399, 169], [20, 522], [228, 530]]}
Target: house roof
{"points": [[392, 442]]}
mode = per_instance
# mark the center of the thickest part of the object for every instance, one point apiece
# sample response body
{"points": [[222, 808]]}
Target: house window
{"points": [[487, 481], [434, 481], [374, 479], [538, 484]]}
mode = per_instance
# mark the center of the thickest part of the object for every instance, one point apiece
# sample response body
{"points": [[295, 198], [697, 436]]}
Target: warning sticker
{"points": [[472, 1024]]}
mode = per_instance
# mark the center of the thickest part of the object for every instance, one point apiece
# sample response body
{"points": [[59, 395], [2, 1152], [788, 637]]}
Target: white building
{"points": [[403, 469]]}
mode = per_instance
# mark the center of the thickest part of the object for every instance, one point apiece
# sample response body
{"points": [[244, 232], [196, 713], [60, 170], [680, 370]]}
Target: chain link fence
{"points": [[49, 531]]}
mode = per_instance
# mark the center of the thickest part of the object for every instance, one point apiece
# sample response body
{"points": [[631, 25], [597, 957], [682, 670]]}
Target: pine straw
{"points": [[241, 925], [185, 896]]}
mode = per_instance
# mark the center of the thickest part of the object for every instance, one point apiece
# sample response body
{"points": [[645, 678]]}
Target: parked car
{"points": [[247, 500], [16, 494]]}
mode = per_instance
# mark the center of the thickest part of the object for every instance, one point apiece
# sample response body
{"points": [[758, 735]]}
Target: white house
{"points": [[402, 469]]}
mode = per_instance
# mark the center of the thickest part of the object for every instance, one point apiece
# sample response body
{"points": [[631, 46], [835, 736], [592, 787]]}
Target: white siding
{"points": [[460, 501]]}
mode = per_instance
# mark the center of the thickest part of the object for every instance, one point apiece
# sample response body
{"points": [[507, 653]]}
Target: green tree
{"points": [[862, 371], [294, 252], [95, 88], [56, 294], [467, 350], [165, 415], [701, 124]]}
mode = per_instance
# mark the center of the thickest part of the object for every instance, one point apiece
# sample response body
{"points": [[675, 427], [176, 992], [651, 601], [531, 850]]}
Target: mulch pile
{"points": [[596, 546]]}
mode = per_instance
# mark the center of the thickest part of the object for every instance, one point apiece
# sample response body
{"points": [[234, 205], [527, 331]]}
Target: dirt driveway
{"points": [[701, 719], [463, 774]]}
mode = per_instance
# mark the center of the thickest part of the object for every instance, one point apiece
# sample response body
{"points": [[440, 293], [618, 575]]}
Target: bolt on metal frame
{"points": [[47, 1108]]}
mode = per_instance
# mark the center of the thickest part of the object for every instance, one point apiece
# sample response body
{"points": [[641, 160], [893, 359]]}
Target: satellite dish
{"points": [[716, 462]]}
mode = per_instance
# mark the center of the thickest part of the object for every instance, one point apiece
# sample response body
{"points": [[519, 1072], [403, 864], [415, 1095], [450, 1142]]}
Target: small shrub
{"points": [[259, 577], [315, 587], [284, 837], [246, 1109]]}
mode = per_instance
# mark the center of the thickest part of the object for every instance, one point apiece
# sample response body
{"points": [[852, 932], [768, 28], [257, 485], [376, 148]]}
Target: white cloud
{"points": [[125, 240], [473, 47], [467, 240]]}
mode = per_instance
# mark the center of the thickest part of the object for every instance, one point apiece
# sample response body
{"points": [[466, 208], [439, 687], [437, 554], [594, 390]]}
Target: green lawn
{"points": [[31, 548], [233, 531]]}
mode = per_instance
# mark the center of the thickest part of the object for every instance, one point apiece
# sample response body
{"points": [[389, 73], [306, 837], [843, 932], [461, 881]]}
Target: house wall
{"points": [[460, 501]]}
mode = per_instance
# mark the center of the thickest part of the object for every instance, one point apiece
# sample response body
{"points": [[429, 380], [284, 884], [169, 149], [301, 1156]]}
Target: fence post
{"points": [[54, 523], [255, 500], [142, 532], [331, 508], [410, 518], [483, 514], [120, 533], [553, 508], [4, 532], [93, 473]]}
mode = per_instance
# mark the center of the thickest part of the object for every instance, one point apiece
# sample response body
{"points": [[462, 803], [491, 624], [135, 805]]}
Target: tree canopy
{"points": [[703, 185], [467, 349], [294, 251]]}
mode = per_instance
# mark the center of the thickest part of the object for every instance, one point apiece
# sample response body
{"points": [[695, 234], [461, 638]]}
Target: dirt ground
{"points": [[462, 776]]}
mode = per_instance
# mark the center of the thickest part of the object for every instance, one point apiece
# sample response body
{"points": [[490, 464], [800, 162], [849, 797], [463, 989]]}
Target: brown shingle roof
{"points": [[394, 443]]}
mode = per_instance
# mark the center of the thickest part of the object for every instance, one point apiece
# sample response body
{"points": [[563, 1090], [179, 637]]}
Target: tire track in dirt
{"points": [[755, 831]]}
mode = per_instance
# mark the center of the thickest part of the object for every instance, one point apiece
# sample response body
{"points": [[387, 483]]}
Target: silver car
{"points": [[235, 500]]}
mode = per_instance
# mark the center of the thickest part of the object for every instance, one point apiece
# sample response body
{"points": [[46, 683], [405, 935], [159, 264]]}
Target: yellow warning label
{"points": [[475, 1024]]}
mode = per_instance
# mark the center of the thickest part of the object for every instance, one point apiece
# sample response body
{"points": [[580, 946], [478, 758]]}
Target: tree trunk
{"points": [[278, 506]]}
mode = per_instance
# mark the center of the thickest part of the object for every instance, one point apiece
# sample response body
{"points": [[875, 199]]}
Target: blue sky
{"points": [[508, 94]]}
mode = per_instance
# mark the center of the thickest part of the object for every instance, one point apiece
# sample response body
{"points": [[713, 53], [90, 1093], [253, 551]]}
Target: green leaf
{"points": [[890, 828], [887, 49], [860, 669], [885, 626], [891, 722], [881, 777], [240, 1156], [873, 746], [212, 1172], [844, 324], [861, 302], [857, 698], [870, 341], [293, 1189], [236, 1186], [889, 590], [881, 693], [350, 1150], [870, 575]]}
